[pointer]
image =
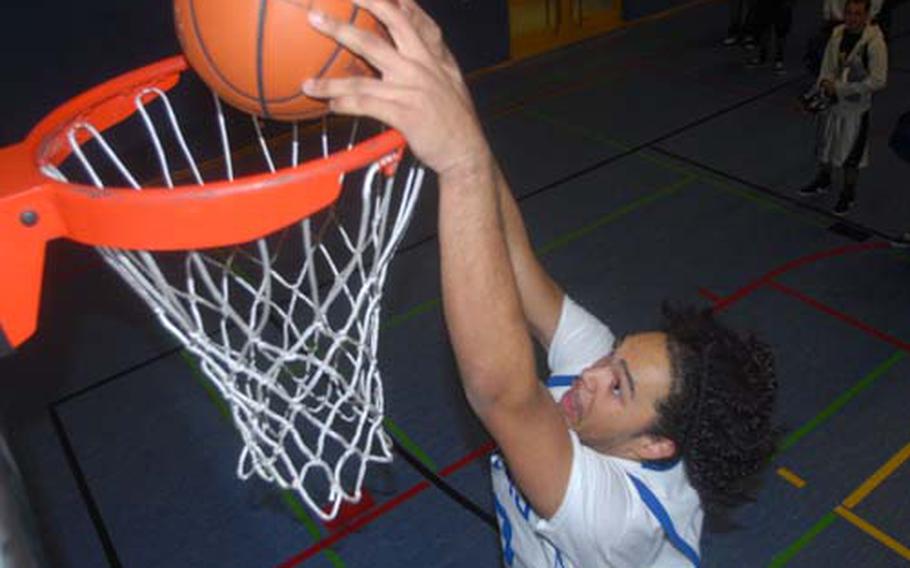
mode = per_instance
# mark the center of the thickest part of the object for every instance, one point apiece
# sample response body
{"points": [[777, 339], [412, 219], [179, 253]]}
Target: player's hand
{"points": [[421, 92], [431, 35]]}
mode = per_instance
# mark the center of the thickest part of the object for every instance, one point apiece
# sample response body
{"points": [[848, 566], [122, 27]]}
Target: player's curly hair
{"points": [[720, 406]]}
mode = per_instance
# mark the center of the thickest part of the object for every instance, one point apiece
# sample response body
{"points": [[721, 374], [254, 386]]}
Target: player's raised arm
{"points": [[422, 95]]}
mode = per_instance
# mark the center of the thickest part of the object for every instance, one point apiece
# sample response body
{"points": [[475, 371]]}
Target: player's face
{"points": [[614, 400], [855, 16]]}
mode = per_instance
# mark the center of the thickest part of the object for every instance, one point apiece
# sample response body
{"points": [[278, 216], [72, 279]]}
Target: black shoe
{"points": [[730, 41], [902, 241], [779, 67], [755, 62], [815, 188], [844, 205], [749, 43]]}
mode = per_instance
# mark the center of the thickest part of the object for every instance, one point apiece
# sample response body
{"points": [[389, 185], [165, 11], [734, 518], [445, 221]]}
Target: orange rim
{"points": [[35, 209]]}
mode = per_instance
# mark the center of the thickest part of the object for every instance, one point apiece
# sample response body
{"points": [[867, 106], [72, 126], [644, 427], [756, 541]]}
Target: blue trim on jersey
{"points": [[505, 531], [660, 465], [559, 562], [663, 518], [561, 381]]}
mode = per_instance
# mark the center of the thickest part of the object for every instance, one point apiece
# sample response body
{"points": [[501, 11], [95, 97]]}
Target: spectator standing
{"points": [[855, 66], [740, 20], [770, 27]]}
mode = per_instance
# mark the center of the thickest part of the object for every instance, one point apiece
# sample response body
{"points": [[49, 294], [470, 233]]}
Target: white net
{"points": [[286, 327]]}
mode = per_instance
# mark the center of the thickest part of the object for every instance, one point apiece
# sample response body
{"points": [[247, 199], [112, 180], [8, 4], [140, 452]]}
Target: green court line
{"points": [[786, 555], [674, 166], [585, 132], [744, 192], [556, 244], [568, 238], [301, 514], [288, 497], [210, 390], [291, 500], [902, 255], [766, 202], [841, 401], [412, 313], [409, 444]]}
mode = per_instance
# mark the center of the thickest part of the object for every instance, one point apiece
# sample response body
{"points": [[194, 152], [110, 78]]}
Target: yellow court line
{"points": [[874, 532], [877, 478], [791, 477]]}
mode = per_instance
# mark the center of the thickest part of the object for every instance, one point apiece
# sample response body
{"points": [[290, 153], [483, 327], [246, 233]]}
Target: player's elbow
{"points": [[491, 388], [483, 383]]}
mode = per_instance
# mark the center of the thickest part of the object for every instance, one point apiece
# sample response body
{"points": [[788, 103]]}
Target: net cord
{"points": [[293, 355]]}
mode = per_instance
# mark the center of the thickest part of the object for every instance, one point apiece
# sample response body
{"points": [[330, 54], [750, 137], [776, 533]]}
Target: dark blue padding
{"points": [[900, 137], [5, 347], [477, 31], [658, 510]]}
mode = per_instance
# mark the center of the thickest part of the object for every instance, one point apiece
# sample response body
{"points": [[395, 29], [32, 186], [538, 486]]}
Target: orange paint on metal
{"points": [[35, 209]]}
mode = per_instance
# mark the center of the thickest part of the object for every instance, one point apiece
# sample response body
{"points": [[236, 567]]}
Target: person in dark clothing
{"points": [[741, 14], [900, 145], [770, 27]]}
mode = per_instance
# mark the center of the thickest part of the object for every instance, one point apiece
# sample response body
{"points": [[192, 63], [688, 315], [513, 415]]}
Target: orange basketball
{"points": [[256, 53]]}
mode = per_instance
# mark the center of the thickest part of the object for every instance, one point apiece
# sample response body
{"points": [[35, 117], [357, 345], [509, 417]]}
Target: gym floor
{"points": [[649, 164]]}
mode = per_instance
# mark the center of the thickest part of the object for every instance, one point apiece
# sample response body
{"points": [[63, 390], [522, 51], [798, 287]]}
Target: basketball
{"points": [[256, 53]]}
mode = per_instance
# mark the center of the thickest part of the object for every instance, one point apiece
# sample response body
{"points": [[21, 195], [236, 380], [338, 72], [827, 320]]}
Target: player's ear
{"points": [[652, 447]]}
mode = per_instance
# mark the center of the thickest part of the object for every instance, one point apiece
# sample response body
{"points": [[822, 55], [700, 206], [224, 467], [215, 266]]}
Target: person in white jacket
{"points": [[854, 67]]}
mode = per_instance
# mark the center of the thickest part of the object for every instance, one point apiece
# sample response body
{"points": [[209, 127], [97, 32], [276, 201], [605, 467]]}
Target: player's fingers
{"points": [[426, 28], [387, 111], [354, 86], [431, 35], [399, 26], [377, 52], [360, 96]]}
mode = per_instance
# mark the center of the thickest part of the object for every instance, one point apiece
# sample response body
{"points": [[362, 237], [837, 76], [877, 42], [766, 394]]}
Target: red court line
{"points": [[849, 320], [389, 505], [720, 303], [709, 295], [769, 277]]}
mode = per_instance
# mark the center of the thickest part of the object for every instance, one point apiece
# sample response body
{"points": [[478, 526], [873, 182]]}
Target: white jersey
{"points": [[605, 519]]}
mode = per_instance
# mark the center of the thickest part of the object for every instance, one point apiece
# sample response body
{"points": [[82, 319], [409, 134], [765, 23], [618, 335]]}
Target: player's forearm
{"points": [[480, 298], [539, 294]]}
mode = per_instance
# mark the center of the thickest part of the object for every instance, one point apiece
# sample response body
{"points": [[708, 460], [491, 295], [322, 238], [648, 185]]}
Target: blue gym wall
{"points": [[53, 50]]}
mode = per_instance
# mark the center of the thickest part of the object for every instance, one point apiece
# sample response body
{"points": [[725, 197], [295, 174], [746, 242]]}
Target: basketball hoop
{"points": [[272, 279]]}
